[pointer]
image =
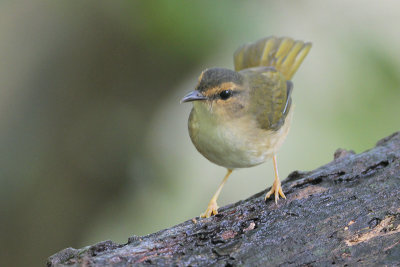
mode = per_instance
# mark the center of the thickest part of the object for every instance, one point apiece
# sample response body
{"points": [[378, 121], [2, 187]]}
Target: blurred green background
{"points": [[94, 142]]}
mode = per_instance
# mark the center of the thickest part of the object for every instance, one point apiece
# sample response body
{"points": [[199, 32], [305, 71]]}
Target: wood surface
{"points": [[346, 212]]}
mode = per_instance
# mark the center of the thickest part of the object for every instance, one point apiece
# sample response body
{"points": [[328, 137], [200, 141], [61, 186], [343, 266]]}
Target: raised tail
{"points": [[284, 54]]}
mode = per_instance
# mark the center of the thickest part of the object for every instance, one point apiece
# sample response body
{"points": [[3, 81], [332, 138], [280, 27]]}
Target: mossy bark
{"points": [[346, 212]]}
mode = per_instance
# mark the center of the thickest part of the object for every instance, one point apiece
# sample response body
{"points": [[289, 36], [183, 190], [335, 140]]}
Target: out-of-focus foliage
{"points": [[94, 143]]}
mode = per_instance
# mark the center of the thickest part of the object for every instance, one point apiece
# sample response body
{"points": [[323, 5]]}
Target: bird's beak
{"points": [[193, 96]]}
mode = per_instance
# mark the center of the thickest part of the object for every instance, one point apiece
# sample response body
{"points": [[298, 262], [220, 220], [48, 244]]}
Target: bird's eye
{"points": [[224, 95]]}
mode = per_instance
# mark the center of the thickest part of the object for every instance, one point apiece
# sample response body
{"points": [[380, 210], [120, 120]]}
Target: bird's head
{"points": [[220, 92]]}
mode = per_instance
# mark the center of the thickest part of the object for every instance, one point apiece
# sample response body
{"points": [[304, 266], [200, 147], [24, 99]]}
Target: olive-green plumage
{"points": [[269, 95], [240, 118], [285, 54], [270, 87]]}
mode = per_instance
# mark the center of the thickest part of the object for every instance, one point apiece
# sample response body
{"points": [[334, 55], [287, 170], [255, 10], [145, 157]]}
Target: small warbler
{"points": [[240, 118]]}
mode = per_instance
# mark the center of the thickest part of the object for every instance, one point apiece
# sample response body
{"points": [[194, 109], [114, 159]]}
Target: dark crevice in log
{"points": [[346, 212]]}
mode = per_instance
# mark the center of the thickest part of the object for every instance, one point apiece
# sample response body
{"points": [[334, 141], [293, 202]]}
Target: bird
{"points": [[241, 117]]}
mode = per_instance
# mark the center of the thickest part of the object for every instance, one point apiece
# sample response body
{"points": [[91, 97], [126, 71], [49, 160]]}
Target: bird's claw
{"points": [[212, 209], [276, 190]]}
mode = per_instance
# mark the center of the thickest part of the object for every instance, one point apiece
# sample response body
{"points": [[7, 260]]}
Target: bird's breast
{"points": [[234, 143]]}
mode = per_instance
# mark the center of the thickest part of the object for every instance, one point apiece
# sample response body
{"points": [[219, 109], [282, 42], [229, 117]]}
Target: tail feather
{"points": [[285, 54]]}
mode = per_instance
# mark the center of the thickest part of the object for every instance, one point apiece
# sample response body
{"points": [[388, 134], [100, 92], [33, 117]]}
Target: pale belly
{"points": [[235, 144]]}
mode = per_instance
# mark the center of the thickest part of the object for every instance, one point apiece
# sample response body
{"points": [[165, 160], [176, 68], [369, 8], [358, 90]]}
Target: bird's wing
{"points": [[284, 54], [270, 97]]}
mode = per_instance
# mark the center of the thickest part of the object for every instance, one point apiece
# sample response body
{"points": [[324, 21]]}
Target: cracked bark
{"points": [[346, 212]]}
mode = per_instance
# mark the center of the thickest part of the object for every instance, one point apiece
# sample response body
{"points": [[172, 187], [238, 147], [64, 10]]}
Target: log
{"points": [[346, 213]]}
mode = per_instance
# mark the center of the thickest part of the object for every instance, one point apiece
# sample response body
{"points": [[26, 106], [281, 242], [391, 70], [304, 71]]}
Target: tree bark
{"points": [[346, 212]]}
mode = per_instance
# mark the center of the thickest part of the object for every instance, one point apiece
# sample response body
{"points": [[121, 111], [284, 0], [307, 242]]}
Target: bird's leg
{"points": [[212, 208], [276, 187]]}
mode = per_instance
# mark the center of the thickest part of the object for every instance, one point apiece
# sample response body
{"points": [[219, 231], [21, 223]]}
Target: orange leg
{"points": [[212, 208], [276, 187]]}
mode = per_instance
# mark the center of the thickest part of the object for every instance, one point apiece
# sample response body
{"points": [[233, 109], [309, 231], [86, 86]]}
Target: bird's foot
{"points": [[212, 209], [277, 190]]}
